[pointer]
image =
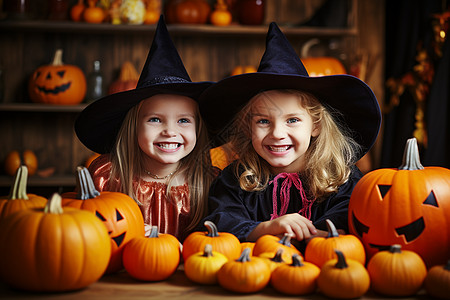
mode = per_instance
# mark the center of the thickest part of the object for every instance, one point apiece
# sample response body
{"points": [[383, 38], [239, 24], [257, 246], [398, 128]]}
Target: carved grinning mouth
{"points": [[56, 90]]}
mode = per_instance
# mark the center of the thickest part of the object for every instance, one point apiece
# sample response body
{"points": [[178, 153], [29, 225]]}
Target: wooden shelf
{"points": [[36, 181], [174, 29], [34, 107]]}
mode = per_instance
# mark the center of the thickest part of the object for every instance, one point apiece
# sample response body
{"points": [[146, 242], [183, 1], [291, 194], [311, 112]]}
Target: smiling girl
{"points": [[153, 142], [297, 139]]}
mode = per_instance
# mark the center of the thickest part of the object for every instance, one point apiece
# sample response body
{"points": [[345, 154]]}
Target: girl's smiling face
{"points": [[281, 130], [166, 130]]}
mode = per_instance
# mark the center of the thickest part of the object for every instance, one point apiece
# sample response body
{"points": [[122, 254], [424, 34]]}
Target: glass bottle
{"points": [[95, 84]]}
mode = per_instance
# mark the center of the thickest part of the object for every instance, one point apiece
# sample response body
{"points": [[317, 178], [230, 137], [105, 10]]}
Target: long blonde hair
{"points": [[126, 165], [328, 159]]}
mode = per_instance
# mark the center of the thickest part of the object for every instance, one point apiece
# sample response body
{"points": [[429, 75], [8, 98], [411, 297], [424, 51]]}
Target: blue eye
{"points": [[184, 120], [155, 120], [262, 121], [292, 120]]}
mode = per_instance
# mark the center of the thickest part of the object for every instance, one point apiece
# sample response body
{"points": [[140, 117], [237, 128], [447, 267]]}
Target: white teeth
{"points": [[278, 148], [168, 146]]}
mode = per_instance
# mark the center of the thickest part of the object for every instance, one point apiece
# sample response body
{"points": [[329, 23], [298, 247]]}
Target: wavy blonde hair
{"points": [[329, 157], [126, 165]]}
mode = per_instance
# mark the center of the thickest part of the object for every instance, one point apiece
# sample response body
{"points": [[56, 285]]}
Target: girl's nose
{"points": [[277, 131], [169, 131]]}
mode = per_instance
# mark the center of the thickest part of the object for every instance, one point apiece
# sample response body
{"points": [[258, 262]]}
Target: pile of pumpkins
{"points": [[72, 240]]}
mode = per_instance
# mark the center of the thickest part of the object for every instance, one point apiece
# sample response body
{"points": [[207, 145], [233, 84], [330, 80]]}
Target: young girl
{"points": [[297, 139], [154, 142]]}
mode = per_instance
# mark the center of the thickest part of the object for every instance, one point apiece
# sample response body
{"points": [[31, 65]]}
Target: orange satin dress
{"points": [[170, 215]]}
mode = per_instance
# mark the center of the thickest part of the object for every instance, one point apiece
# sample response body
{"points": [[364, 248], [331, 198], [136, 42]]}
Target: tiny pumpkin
{"points": [[76, 11], [202, 267], [437, 281], [298, 278], [119, 212], [57, 83], [18, 198], [93, 14], [396, 272], [321, 249], [223, 242], [244, 275], [53, 249], [270, 243], [221, 16], [343, 278], [152, 258], [273, 261], [15, 159], [127, 80]]}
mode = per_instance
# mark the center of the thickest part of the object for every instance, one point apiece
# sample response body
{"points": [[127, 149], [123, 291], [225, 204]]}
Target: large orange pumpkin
{"points": [[57, 83], [120, 214], [409, 206], [53, 249]]}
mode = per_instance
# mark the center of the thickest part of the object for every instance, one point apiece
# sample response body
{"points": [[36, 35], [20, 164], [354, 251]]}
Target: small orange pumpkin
{"points": [[127, 80], [321, 249], [152, 258], [244, 275], [273, 261], [57, 83], [93, 13], [15, 159], [437, 281], [270, 243], [223, 242], [221, 16], [18, 198], [202, 267], [76, 11]]}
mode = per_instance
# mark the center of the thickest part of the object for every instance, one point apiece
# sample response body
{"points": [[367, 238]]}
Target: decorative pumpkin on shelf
{"points": [[53, 249], [242, 69], [188, 11], [127, 80], [152, 258], [223, 242], [298, 278], [18, 199], [343, 278], [396, 272], [93, 13], [132, 11], [221, 16], [57, 83], [270, 243], [437, 281], [244, 275], [321, 249], [76, 11], [320, 65], [120, 214], [152, 11], [202, 267], [409, 206], [15, 159]]}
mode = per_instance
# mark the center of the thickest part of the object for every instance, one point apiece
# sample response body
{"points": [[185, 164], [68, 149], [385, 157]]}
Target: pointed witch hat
{"points": [[281, 68], [98, 124]]}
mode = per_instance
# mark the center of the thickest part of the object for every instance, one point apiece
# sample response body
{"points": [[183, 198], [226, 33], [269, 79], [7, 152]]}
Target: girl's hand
{"points": [[298, 226]]}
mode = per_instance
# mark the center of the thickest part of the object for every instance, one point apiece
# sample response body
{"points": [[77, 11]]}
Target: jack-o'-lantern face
{"points": [[57, 84], [410, 208]]}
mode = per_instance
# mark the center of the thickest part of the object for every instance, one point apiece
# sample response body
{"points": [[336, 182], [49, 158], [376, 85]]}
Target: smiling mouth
{"points": [[169, 146], [279, 148]]}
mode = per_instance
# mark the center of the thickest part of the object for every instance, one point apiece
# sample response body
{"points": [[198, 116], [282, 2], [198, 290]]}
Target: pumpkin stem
{"points": [[332, 232], [286, 240], [207, 252], [57, 59], [297, 260], [212, 229], [278, 257], [245, 255], [85, 184], [396, 248], [154, 232], [411, 158], [19, 188], [341, 263], [53, 205]]}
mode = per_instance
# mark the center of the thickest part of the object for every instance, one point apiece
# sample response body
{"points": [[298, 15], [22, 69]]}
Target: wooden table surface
{"points": [[178, 286]]}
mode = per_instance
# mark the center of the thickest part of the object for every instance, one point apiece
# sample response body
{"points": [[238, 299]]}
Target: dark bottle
{"points": [[95, 84]]}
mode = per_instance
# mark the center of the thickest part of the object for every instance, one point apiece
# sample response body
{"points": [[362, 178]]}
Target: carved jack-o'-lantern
{"points": [[120, 214], [57, 83], [409, 206]]}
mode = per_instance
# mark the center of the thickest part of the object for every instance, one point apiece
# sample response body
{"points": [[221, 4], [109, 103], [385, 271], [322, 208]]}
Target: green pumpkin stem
{"points": [[207, 252], [85, 185], [396, 248], [212, 229], [297, 260], [278, 257], [332, 231], [286, 240], [341, 262], [154, 232], [245, 255], [411, 158], [57, 59], [19, 188], [53, 205]]}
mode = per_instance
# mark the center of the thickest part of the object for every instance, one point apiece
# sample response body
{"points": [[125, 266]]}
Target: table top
{"points": [[122, 286]]}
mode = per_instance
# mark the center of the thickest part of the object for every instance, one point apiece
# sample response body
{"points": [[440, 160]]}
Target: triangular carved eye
{"points": [[118, 216], [100, 216], [431, 200], [412, 230], [61, 73], [383, 188], [359, 227]]}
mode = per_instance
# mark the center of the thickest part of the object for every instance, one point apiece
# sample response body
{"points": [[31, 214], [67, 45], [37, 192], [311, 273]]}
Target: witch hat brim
{"points": [[98, 124], [281, 68]]}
